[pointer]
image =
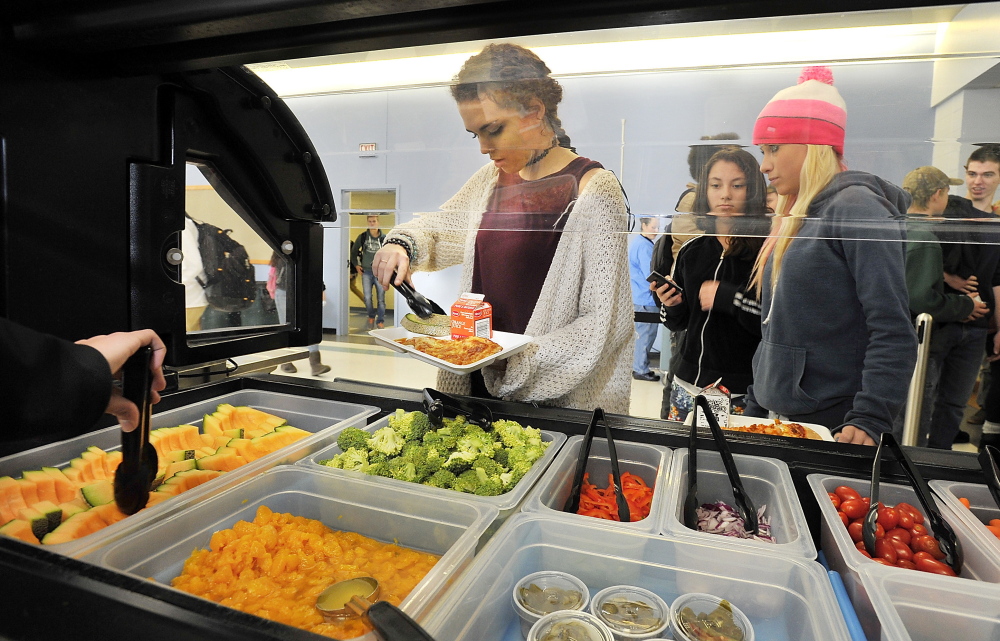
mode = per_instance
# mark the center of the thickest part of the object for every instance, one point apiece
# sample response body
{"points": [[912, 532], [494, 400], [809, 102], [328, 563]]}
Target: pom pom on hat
{"points": [[810, 113]]}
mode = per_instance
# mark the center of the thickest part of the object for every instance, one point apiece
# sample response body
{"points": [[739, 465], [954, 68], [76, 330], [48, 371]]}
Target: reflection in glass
{"points": [[230, 280]]}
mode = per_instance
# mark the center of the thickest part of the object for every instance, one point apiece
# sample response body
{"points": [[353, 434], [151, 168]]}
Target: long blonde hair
{"points": [[821, 164]]}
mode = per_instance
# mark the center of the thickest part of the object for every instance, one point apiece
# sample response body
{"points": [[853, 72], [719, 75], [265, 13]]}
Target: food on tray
{"points": [[459, 456], [603, 504], [57, 505], [717, 625], [460, 351], [630, 616], [436, 325], [902, 540], [277, 565], [993, 526], [721, 518], [778, 428], [550, 599]]}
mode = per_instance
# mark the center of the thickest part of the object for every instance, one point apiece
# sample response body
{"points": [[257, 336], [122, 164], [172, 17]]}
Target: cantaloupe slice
{"points": [[28, 491], [11, 499], [75, 476], [96, 463], [111, 463], [45, 485], [109, 513], [75, 527], [212, 425], [39, 522], [19, 529], [69, 508], [65, 489]]}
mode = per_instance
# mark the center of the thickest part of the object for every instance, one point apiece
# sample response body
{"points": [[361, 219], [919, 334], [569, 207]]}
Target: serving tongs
{"points": [[436, 404], [573, 502], [135, 474], [420, 304], [988, 461], [940, 528], [744, 505]]}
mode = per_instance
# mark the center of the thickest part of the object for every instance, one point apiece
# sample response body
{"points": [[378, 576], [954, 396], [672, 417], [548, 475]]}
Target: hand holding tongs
{"points": [[573, 503], [420, 304], [437, 403], [945, 535], [744, 505], [135, 474]]}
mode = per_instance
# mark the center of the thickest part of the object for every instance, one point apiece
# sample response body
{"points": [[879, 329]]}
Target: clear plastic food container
{"points": [[324, 418], [916, 606], [506, 503], [630, 612], [981, 511], [705, 604], [767, 482], [439, 525], [786, 598], [649, 462], [981, 563], [553, 591], [569, 624]]}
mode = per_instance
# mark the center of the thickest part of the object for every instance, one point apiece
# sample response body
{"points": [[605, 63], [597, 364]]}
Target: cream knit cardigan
{"points": [[581, 351]]}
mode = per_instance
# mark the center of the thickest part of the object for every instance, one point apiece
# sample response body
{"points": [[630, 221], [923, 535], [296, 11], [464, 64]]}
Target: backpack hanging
{"points": [[230, 284]]}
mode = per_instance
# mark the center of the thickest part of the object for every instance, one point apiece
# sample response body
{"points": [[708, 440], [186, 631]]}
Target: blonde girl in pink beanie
{"points": [[837, 345]]}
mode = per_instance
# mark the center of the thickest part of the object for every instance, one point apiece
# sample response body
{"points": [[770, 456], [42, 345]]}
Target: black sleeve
{"points": [[50, 385]]}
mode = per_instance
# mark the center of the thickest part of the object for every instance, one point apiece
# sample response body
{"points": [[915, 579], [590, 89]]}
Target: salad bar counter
{"points": [[257, 529]]}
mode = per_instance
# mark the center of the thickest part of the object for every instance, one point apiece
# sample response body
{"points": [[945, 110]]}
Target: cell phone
{"points": [[659, 279]]}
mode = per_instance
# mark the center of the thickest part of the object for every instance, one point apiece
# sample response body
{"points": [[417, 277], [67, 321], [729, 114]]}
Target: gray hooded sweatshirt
{"points": [[837, 325]]}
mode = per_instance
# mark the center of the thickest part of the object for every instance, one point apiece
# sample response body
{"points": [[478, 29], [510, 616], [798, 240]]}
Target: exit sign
{"points": [[367, 146]]}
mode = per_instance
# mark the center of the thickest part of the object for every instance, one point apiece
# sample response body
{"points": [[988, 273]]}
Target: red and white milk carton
{"points": [[471, 315]]}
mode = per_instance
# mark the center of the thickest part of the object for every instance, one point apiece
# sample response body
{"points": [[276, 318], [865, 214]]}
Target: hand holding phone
{"points": [[659, 280]]}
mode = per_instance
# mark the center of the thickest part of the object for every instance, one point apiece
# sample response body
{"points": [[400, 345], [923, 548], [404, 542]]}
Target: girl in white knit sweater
{"points": [[541, 232]]}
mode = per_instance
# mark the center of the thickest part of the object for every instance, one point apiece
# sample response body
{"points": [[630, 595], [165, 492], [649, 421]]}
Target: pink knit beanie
{"points": [[810, 113]]}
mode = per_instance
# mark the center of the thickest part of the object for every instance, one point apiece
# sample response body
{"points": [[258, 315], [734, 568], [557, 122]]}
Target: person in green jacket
{"points": [[928, 187]]}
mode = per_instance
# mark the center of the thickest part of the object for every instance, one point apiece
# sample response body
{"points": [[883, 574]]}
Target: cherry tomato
{"points": [[885, 550], [903, 563], [835, 499], [846, 493], [904, 520], [921, 555], [964, 501], [918, 530], [867, 501], [865, 553], [927, 543], [918, 516], [888, 518], [843, 517], [903, 551], [879, 559], [934, 567], [854, 509], [994, 529], [995, 522], [901, 535], [855, 530], [879, 532]]}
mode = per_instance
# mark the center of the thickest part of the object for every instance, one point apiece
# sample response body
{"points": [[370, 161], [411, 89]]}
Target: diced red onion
{"points": [[720, 518]]}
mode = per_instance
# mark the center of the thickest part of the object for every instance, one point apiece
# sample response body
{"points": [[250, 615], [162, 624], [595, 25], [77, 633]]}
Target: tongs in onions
{"points": [[744, 505], [944, 533], [573, 503]]}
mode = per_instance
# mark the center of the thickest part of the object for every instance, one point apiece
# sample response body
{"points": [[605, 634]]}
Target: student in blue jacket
{"points": [[837, 347]]}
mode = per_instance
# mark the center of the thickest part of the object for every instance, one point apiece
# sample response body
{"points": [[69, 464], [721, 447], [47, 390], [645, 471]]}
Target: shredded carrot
{"points": [[603, 505]]}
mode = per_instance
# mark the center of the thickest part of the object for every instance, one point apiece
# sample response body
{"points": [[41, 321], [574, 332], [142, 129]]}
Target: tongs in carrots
{"points": [[744, 505], [944, 533], [436, 404], [135, 474], [573, 503]]}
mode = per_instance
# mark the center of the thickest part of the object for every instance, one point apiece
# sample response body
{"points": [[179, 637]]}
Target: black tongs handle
{"points": [[988, 461], [437, 403], [136, 380], [942, 531], [744, 505], [392, 624], [420, 304], [573, 503]]}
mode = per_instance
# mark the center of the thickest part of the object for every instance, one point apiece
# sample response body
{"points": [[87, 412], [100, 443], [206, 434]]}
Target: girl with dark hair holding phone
{"points": [[715, 303]]}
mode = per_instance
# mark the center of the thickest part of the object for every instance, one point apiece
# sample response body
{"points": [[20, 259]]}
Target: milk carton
{"points": [[471, 315]]}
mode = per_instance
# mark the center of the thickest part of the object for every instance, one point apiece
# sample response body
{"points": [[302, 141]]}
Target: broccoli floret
{"points": [[458, 423], [426, 460], [520, 460], [352, 459], [386, 441], [510, 479], [375, 458], [443, 439], [468, 481], [501, 456], [379, 469], [512, 434], [458, 462], [441, 478], [353, 437], [411, 426], [488, 465], [488, 485], [476, 441], [402, 470]]}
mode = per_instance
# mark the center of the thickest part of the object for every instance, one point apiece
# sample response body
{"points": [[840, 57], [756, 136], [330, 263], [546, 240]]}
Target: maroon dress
{"points": [[517, 240]]}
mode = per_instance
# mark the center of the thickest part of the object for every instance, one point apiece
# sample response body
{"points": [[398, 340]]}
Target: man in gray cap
{"points": [[956, 347]]}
